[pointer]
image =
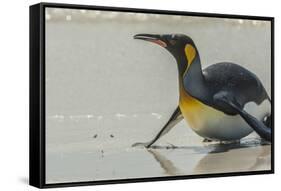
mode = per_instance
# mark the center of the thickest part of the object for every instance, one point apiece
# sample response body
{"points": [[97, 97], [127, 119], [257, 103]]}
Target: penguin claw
{"points": [[171, 146], [205, 140], [146, 145]]}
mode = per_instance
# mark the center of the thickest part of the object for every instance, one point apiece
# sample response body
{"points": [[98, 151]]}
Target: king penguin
{"points": [[223, 102]]}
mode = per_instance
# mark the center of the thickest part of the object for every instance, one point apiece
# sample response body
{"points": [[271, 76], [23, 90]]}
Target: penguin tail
{"points": [[267, 121]]}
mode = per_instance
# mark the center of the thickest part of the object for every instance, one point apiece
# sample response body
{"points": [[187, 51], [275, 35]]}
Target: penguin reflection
{"points": [[219, 158], [166, 164], [239, 159]]}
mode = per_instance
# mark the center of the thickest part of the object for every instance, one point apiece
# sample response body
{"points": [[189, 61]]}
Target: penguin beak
{"points": [[151, 38]]}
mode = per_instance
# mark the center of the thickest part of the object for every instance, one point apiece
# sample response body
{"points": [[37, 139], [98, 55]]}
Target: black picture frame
{"points": [[37, 94]]}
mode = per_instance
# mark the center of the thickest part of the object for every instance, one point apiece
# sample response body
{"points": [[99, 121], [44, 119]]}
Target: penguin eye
{"points": [[172, 42]]}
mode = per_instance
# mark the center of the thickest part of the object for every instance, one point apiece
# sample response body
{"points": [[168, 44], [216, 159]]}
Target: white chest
{"points": [[215, 125]]}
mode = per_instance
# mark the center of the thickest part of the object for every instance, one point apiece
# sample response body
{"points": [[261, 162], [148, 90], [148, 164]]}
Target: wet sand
{"points": [[106, 91], [103, 159], [141, 163]]}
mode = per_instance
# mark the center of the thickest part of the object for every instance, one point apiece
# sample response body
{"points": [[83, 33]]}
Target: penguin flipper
{"points": [[174, 119], [260, 128]]}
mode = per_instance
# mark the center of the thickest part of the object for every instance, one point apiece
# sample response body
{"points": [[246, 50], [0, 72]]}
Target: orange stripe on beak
{"points": [[159, 42]]}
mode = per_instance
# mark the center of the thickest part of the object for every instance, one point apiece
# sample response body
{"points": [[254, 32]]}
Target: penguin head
{"points": [[180, 46]]}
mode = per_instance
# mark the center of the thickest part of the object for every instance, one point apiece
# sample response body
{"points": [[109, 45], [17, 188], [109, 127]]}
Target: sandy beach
{"points": [[108, 154], [106, 91]]}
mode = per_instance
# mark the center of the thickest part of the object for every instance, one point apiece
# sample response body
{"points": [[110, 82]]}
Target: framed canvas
{"points": [[123, 95]]}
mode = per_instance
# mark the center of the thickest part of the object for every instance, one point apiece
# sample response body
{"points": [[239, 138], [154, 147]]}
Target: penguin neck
{"points": [[193, 72], [191, 79]]}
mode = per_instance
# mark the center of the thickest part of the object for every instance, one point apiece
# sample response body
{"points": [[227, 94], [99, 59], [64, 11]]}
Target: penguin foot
{"points": [[146, 145], [205, 140], [238, 141], [171, 146]]}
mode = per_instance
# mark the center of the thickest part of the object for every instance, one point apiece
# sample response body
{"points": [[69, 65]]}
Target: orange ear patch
{"points": [[190, 53]]}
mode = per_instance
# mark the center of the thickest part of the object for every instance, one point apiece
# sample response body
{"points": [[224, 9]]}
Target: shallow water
{"points": [[83, 152], [139, 163], [106, 91]]}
